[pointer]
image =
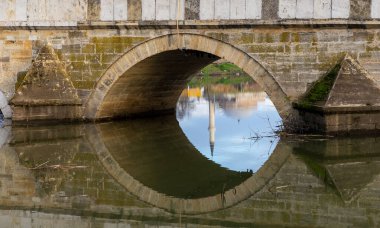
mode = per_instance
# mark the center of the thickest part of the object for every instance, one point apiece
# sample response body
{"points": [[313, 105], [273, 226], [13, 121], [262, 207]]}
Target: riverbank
{"points": [[220, 73]]}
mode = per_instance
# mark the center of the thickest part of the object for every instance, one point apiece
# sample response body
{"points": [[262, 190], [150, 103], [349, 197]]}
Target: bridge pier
{"points": [[344, 101]]}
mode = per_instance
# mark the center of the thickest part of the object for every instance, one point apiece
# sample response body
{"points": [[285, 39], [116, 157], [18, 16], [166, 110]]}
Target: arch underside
{"points": [[153, 85], [149, 78]]}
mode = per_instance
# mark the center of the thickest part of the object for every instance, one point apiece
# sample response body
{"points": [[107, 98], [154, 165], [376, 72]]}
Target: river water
{"points": [[217, 163]]}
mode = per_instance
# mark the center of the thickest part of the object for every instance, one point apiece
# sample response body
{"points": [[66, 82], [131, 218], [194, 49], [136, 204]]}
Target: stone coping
{"points": [[192, 24]]}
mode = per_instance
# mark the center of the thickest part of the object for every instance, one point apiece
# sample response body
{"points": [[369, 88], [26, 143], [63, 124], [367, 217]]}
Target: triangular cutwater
{"points": [[46, 82], [353, 87]]}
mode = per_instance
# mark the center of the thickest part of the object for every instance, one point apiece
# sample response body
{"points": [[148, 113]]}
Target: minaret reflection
{"points": [[211, 126]]}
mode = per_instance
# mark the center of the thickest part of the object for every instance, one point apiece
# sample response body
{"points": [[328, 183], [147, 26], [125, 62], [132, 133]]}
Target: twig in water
{"points": [[38, 166]]}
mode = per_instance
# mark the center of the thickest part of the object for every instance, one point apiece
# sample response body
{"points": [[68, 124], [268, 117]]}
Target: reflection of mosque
{"points": [[211, 127], [186, 102], [237, 101]]}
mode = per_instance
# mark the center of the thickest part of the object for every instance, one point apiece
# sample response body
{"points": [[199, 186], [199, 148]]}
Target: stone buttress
{"points": [[344, 101], [46, 92]]}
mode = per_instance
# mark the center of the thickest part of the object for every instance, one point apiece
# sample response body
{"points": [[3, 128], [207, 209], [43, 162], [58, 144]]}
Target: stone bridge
{"points": [[119, 58]]}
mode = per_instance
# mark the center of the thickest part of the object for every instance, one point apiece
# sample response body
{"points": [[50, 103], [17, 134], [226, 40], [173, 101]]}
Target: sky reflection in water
{"points": [[241, 111]]}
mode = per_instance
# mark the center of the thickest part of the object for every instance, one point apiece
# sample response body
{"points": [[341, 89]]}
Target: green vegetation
{"points": [[227, 79], [320, 90], [20, 78], [221, 69], [223, 73]]}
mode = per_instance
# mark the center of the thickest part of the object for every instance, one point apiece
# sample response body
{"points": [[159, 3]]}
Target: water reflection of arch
{"points": [[101, 138]]}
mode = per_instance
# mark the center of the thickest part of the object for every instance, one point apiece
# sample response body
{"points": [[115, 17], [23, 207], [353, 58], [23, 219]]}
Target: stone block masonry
{"points": [[295, 57], [317, 9], [163, 9], [37, 12]]}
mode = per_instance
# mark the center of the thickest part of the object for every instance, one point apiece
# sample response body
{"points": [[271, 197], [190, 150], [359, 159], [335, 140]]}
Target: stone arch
{"points": [[99, 106], [4, 106], [178, 205]]}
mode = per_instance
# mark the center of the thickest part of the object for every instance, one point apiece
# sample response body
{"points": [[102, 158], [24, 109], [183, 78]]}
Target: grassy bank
{"points": [[220, 73]]}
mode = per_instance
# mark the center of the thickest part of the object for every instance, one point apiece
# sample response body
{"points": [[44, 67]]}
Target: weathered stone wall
{"points": [[296, 57], [86, 54], [238, 9], [319, 9], [37, 12], [90, 35]]}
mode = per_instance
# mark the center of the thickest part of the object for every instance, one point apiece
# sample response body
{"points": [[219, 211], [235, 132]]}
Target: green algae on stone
{"points": [[320, 90], [84, 84], [20, 78], [295, 37], [285, 37], [246, 38], [266, 48], [269, 38], [372, 48]]}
